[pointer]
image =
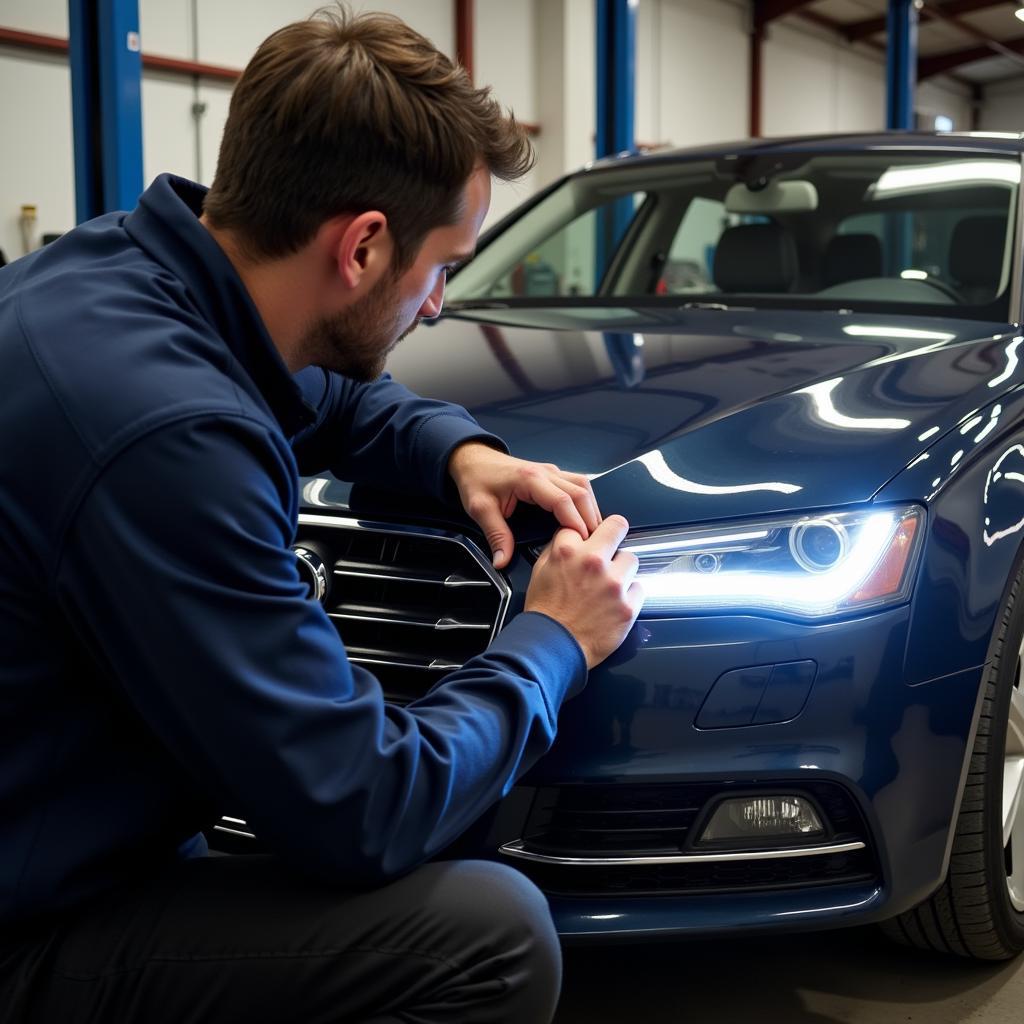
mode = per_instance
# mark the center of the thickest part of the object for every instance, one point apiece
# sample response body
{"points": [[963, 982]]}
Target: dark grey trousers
{"points": [[225, 939]]}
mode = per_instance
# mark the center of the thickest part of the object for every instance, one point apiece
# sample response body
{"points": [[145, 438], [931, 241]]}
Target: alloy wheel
{"points": [[1013, 790]]}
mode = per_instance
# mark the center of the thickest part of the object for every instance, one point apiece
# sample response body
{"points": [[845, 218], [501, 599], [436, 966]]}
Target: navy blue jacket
{"points": [[160, 662]]}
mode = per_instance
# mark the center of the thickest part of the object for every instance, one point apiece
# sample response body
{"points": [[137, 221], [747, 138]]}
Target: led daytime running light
{"points": [[872, 570]]}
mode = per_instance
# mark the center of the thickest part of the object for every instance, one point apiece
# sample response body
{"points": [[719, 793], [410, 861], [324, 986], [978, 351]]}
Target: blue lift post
{"points": [[616, 103], [901, 64], [616, 106], [901, 82], [616, 75], [106, 102]]}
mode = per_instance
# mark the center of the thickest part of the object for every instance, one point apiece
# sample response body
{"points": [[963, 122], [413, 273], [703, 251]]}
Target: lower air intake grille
{"points": [[410, 604], [572, 831]]}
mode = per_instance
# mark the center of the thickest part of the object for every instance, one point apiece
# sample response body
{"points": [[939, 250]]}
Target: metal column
{"points": [[901, 64], [106, 101], [901, 81], [616, 75], [616, 101]]}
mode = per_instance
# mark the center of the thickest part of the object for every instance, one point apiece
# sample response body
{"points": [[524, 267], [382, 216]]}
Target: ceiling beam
{"points": [[769, 10], [982, 37], [939, 63], [953, 8]]}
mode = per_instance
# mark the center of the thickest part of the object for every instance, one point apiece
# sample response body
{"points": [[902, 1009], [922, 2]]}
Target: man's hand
{"points": [[492, 483], [588, 587]]}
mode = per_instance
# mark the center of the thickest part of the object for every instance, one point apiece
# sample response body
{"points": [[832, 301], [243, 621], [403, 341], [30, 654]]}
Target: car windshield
{"points": [[884, 231]]}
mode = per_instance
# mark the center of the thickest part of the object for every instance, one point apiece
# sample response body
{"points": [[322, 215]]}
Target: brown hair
{"points": [[343, 114]]}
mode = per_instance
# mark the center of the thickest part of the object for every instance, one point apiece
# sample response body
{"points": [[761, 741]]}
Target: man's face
{"points": [[356, 342]]}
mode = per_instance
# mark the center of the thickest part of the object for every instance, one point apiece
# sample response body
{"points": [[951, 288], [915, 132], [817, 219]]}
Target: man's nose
{"points": [[431, 308]]}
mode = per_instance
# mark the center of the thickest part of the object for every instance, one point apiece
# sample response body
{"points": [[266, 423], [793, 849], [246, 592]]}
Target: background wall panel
{"points": [[47, 17], [35, 155], [1003, 110], [693, 82]]}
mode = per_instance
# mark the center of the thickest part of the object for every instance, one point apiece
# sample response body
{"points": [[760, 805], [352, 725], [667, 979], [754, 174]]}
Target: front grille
{"points": [[410, 605], [592, 823]]}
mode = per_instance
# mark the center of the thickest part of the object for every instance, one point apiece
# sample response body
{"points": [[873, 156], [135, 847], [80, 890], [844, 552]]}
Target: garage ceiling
{"points": [[979, 41]]}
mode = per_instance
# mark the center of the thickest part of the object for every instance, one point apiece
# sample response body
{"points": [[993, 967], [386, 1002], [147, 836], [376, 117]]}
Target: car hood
{"points": [[692, 415]]}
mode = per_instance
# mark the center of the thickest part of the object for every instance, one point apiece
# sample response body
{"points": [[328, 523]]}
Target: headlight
{"points": [[809, 566]]}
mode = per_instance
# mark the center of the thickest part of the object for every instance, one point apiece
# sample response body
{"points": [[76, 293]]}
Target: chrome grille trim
{"points": [[234, 831], [392, 627], [440, 624], [437, 665], [517, 849], [381, 573], [450, 580]]}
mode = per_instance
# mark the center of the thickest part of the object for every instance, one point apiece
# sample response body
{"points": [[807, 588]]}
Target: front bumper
{"points": [[896, 753]]}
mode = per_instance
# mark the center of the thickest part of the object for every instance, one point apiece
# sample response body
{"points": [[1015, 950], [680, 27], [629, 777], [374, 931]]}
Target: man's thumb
{"points": [[500, 539], [487, 514]]}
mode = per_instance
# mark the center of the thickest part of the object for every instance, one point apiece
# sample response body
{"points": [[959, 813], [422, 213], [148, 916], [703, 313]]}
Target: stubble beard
{"points": [[356, 343]]}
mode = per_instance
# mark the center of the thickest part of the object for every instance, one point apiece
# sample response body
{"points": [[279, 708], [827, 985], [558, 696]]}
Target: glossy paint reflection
{"points": [[677, 416]]}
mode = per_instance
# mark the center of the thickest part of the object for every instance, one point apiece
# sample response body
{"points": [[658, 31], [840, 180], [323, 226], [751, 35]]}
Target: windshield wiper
{"points": [[470, 304], [720, 306]]}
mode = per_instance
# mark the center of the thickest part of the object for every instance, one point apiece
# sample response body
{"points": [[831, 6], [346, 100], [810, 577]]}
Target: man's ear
{"points": [[362, 249]]}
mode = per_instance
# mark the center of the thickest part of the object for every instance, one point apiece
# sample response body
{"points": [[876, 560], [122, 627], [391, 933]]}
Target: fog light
{"points": [[762, 817]]}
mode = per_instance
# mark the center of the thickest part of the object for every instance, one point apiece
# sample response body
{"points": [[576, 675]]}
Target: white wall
{"points": [[47, 17], [942, 95], [693, 77], [36, 154], [502, 29], [564, 86], [814, 81], [693, 71], [1003, 109]]}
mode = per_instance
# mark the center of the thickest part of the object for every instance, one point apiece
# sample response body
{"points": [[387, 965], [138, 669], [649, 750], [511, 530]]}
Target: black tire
{"points": [[972, 913]]}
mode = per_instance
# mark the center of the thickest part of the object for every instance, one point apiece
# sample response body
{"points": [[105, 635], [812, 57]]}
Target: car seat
{"points": [[976, 256], [755, 258]]}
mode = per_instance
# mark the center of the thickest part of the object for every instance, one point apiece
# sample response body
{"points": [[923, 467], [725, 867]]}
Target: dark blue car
{"points": [[794, 366]]}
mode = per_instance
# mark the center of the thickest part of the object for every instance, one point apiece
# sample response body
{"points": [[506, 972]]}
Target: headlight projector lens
{"points": [[707, 562], [818, 545]]}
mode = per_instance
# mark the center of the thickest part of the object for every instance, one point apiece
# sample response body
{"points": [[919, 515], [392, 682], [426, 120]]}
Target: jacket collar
{"points": [[166, 225]]}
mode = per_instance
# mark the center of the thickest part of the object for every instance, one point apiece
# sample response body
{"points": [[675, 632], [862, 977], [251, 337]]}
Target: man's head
{"points": [[356, 136]]}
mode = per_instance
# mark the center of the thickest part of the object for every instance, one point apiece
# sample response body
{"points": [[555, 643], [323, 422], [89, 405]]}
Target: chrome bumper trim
{"points": [[516, 849], [234, 831]]}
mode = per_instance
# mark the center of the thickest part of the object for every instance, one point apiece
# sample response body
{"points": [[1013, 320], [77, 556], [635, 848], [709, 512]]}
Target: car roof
{"points": [[975, 142]]}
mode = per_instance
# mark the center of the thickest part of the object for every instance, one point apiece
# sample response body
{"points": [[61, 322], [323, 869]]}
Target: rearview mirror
{"points": [[775, 197]]}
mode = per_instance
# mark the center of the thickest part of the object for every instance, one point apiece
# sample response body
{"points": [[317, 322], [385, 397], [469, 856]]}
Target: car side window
{"points": [[572, 260]]}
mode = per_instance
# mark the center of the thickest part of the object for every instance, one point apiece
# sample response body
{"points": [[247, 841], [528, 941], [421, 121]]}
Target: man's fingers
{"points": [[547, 494], [609, 535], [583, 498], [625, 565], [485, 512], [635, 597]]}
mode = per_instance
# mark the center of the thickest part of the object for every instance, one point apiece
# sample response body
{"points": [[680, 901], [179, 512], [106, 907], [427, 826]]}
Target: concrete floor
{"points": [[845, 976]]}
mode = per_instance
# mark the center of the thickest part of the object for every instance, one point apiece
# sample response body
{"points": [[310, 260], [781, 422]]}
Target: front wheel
{"points": [[979, 909]]}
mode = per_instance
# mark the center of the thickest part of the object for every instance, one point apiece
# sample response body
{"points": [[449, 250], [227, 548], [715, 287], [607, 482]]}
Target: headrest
{"points": [[755, 258], [849, 257], [976, 250]]}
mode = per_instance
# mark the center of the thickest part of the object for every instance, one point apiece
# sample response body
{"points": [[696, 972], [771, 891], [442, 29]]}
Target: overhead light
{"points": [[1019, 13]]}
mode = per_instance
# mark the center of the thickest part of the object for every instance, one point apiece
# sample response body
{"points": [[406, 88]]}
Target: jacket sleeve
{"points": [[381, 433], [177, 571]]}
